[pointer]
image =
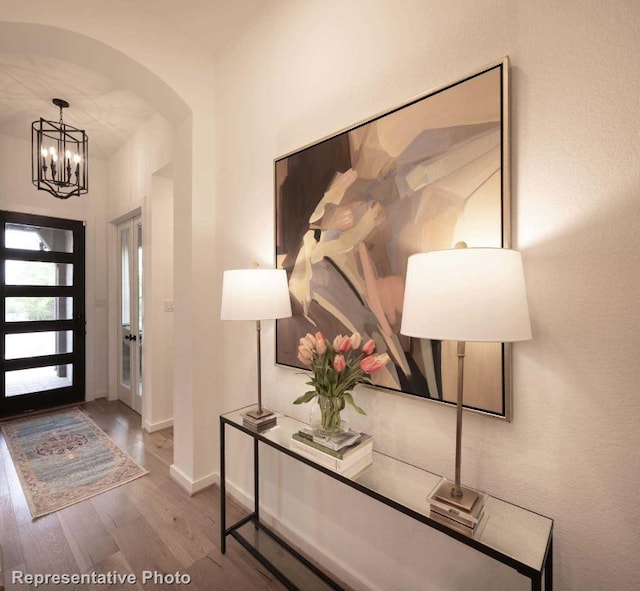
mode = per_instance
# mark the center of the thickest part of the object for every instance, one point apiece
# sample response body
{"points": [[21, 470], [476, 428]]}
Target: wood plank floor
{"points": [[149, 524]]}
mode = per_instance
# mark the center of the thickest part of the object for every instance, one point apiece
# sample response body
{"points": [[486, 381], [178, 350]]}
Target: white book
{"points": [[358, 467], [335, 442], [366, 451]]}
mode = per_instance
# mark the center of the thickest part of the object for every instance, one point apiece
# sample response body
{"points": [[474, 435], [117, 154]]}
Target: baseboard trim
{"points": [[153, 427], [239, 495], [95, 395], [192, 486]]}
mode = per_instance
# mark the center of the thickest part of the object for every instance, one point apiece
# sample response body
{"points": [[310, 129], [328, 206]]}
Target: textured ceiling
{"points": [[107, 113]]}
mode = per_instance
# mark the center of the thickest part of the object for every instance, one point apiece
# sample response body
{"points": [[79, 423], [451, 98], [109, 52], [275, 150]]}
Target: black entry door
{"points": [[42, 345]]}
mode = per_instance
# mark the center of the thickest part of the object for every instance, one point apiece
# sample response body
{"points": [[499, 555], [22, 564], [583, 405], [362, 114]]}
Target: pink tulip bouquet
{"points": [[337, 367]]}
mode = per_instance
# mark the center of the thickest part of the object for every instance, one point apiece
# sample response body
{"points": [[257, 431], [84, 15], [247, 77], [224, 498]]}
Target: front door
{"points": [[130, 313], [42, 345]]}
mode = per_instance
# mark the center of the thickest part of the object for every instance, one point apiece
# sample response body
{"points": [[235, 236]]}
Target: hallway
{"points": [[149, 524]]}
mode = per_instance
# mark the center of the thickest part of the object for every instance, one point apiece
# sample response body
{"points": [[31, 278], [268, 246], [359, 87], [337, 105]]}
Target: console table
{"points": [[514, 536]]}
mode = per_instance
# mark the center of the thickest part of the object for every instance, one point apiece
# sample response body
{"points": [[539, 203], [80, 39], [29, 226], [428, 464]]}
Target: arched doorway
{"points": [[178, 82]]}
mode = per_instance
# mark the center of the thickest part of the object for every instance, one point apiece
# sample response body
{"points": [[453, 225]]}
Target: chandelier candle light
{"points": [[59, 155], [465, 294], [256, 294]]}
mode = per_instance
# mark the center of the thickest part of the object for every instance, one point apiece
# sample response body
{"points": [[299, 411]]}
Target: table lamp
{"points": [[465, 294], [256, 294]]}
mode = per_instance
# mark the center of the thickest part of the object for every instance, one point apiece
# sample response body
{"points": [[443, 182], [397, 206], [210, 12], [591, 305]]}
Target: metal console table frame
{"points": [[514, 536]]}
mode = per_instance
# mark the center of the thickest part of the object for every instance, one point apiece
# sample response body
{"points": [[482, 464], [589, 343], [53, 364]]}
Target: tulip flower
{"points": [[373, 363], [337, 341], [339, 363], [305, 355], [345, 345], [308, 341], [368, 363], [321, 344], [383, 359], [337, 367], [356, 339], [369, 347]]}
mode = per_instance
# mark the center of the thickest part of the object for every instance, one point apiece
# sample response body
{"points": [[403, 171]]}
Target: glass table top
{"points": [[510, 530]]}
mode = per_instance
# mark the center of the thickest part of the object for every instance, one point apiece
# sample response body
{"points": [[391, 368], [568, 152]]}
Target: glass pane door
{"points": [[130, 313], [43, 326], [140, 308]]}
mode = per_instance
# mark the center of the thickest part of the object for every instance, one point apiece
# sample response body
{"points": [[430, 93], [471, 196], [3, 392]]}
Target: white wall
{"points": [[308, 69], [159, 320], [18, 194], [132, 166], [134, 187]]}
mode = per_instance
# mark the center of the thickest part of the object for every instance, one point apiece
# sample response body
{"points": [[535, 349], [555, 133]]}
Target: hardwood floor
{"points": [[149, 524]]}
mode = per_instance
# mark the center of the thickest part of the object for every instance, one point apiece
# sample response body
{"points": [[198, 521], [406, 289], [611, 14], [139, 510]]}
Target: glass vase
{"points": [[325, 416]]}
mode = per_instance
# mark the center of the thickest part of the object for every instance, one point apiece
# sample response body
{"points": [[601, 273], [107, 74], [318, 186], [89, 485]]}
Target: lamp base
{"points": [[259, 421], [466, 502], [258, 414]]}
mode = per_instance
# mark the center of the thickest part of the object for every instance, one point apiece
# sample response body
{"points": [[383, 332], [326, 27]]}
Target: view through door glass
{"points": [[130, 313], [42, 346]]}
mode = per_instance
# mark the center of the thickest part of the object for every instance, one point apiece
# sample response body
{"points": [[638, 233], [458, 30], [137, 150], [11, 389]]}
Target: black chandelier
{"points": [[59, 156]]}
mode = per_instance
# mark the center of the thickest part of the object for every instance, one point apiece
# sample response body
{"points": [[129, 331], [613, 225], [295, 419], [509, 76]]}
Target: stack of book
{"points": [[457, 518], [348, 453], [258, 425]]}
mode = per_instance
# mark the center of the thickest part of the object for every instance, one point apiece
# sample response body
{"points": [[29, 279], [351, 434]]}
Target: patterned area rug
{"points": [[63, 458]]}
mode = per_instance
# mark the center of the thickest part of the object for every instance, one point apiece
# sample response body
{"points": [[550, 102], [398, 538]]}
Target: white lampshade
{"points": [[466, 294], [255, 294]]}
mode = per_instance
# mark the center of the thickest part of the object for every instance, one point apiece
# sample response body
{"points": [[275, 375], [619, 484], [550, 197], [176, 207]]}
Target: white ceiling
{"points": [[211, 24], [109, 114]]}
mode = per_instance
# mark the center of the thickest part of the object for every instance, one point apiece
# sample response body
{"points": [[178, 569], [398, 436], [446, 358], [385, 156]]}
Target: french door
{"points": [[130, 313], [42, 310]]}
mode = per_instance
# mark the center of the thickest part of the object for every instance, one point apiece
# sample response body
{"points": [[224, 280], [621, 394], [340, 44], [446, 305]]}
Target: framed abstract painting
{"points": [[352, 207]]}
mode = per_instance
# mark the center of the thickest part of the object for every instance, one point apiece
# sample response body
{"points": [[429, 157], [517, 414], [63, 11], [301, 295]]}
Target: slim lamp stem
{"points": [[259, 368], [457, 491]]}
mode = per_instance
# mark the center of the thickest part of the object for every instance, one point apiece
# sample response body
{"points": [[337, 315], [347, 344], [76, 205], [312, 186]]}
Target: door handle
{"points": [[130, 337]]}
